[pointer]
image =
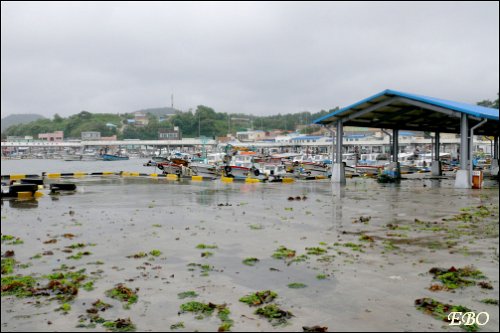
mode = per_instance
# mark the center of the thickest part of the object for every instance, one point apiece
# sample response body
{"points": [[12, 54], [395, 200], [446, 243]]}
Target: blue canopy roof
{"points": [[396, 109]]}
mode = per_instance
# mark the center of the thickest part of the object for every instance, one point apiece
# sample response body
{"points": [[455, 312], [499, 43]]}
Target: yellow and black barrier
{"points": [[18, 176], [81, 174]]}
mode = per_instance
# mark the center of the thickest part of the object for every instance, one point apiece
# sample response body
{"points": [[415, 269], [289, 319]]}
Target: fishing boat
{"points": [[274, 172], [242, 166], [370, 164], [110, 157], [170, 167], [241, 172], [304, 167], [204, 169]]}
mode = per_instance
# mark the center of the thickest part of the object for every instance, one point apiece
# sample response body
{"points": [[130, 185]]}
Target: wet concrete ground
{"points": [[369, 285]]}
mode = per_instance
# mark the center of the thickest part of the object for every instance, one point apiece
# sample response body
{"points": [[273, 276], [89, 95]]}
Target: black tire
{"points": [[295, 163], [160, 167], [63, 187], [32, 181], [228, 169], [14, 189], [256, 172]]}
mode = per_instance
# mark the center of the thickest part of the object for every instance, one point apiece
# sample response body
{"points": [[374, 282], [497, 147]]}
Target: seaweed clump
{"points": [[259, 297], [454, 278]]}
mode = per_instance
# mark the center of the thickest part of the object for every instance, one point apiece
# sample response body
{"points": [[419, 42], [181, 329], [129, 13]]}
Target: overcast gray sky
{"points": [[259, 58]]}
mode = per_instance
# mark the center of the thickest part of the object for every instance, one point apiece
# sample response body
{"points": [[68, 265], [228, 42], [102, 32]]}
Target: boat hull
{"points": [[108, 157]]}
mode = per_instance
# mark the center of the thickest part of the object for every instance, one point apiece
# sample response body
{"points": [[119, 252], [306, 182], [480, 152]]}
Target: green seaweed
{"points": [[8, 265], [250, 261], [198, 308], [256, 226], [65, 308], [490, 301], [274, 314], [11, 240], [206, 254], [177, 325], [79, 255], [186, 294], [204, 246], [89, 286], [316, 251], [204, 269], [123, 294], [354, 247], [298, 259], [454, 278], [155, 253], [203, 310], [441, 311], [76, 246], [297, 285], [259, 297], [18, 286], [138, 255], [120, 325], [283, 253], [223, 314]]}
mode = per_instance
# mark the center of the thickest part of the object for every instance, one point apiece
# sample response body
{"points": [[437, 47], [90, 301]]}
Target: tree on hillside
{"points": [[489, 104]]}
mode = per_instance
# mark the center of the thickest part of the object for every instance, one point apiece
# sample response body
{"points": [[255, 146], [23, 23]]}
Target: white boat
{"points": [[242, 166], [241, 172], [203, 169], [274, 172], [370, 164]]}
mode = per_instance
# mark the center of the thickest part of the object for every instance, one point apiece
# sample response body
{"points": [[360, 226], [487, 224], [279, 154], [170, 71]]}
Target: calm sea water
{"points": [[37, 166]]}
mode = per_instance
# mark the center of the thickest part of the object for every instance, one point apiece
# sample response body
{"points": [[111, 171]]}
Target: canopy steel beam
{"points": [[370, 109]]}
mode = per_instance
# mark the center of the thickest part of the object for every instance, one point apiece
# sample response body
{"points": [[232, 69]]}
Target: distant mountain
{"points": [[158, 111], [15, 119]]}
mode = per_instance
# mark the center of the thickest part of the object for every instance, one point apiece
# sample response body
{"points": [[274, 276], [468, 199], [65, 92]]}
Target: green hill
{"points": [[15, 119]]}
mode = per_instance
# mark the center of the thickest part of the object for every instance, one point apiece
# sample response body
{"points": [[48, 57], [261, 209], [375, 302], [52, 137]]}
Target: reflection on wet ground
{"points": [[358, 256]]}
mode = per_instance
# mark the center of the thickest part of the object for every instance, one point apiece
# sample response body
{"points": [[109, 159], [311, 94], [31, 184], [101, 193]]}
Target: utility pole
{"points": [[172, 100]]}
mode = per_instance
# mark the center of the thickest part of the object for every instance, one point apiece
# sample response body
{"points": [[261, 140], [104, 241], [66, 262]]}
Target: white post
{"points": [[338, 170]]}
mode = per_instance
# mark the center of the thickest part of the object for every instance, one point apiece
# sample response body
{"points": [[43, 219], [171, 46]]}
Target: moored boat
{"points": [[110, 157]]}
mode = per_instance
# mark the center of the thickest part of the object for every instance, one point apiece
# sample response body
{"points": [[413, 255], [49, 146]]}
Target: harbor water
{"points": [[363, 251]]}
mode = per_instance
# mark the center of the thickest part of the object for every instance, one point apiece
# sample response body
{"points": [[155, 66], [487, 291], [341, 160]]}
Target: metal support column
{"points": [[436, 163], [494, 160], [437, 143], [340, 134], [462, 179], [464, 132], [338, 170], [495, 148], [394, 168], [395, 145], [333, 146]]}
